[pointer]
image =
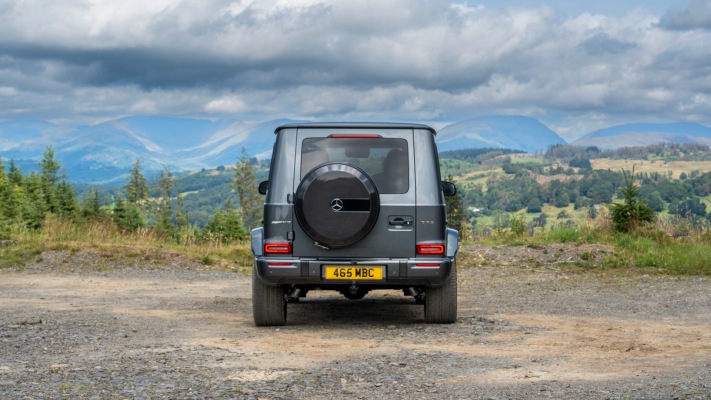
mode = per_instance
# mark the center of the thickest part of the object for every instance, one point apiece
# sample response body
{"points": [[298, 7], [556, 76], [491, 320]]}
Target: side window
{"points": [[384, 160]]}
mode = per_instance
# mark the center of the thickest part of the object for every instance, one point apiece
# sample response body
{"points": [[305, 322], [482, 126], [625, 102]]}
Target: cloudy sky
{"points": [[576, 66]]}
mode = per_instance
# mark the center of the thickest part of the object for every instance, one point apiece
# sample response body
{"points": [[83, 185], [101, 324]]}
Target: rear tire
{"points": [[441, 302], [268, 302]]}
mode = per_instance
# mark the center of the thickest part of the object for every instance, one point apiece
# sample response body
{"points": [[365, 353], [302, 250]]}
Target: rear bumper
{"points": [[430, 272]]}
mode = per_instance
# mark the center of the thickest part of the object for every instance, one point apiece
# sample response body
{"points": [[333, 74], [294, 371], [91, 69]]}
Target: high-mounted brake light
{"points": [[354, 136], [277, 248], [430, 249]]}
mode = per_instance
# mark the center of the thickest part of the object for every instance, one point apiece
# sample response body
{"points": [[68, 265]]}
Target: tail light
{"points": [[277, 248], [430, 249]]}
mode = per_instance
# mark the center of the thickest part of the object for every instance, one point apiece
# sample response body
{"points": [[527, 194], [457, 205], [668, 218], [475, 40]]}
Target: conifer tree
{"points": [[3, 175], [166, 183], [9, 198], [33, 208], [226, 225], [137, 187], [91, 206], [245, 184], [634, 211], [50, 168], [127, 216], [456, 214], [13, 174], [119, 215], [5, 190], [50, 175], [66, 205], [181, 216]]}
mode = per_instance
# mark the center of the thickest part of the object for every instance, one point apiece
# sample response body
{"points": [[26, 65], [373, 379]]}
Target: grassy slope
{"points": [[104, 237], [660, 166], [653, 249]]}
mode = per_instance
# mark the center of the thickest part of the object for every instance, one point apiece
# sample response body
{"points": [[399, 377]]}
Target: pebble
{"points": [[418, 364]]}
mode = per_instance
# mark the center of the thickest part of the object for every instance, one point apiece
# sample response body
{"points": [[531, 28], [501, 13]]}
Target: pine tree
{"points": [[166, 183], [127, 216], [120, 215], [226, 225], [14, 174], [3, 175], [137, 187], [5, 209], [65, 199], [50, 168], [181, 216], [50, 176], [634, 211], [33, 207], [10, 196], [91, 206], [245, 184], [456, 214]]}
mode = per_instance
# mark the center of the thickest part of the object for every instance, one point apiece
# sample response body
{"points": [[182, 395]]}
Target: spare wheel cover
{"points": [[337, 204]]}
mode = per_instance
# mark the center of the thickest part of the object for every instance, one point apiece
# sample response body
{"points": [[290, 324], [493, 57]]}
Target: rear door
{"points": [[386, 156]]}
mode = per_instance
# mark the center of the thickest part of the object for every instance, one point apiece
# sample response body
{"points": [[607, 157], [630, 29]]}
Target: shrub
{"points": [[634, 211], [517, 224]]}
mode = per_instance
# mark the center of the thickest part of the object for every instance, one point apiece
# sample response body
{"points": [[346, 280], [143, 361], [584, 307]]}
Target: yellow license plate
{"points": [[354, 273]]}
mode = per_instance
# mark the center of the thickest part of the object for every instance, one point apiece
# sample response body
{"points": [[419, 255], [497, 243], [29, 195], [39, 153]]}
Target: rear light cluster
{"points": [[277, 248], [430, 249]]}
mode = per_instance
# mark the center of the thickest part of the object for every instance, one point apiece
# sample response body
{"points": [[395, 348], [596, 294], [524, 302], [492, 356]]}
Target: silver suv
{"points": [[353, 208]]}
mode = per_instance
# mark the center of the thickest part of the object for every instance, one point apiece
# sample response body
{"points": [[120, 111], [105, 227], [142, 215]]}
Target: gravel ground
{"points": [[84, 325]]}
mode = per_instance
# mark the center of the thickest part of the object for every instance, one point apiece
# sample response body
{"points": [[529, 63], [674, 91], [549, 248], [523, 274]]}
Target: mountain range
{"points": [[508, 132], [104, 152], [645, 134]]}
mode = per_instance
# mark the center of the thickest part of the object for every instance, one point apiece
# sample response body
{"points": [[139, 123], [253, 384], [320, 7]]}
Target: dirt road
{"points": [[170, 331]]}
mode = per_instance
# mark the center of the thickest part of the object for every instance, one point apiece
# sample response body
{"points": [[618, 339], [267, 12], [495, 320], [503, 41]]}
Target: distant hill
{"points": [[504, 132], [629, 135], [104, 153], [22, 139]]}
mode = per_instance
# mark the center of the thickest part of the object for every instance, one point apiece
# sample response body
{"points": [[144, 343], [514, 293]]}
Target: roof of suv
{"points": [[355, 125]]}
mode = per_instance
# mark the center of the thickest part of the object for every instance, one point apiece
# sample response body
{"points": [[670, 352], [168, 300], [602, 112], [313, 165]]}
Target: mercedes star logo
{"points": [[336, 204]]}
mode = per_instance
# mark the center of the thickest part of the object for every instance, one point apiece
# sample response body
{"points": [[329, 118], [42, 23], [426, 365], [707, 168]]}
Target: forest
{"points": [[493, 183], [28, 200]]}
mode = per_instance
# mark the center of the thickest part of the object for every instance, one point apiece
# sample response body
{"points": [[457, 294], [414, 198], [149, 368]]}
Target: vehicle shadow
{"points": [[387, 309]]}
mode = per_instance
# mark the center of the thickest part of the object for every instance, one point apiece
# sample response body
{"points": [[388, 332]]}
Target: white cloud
{"points": [[226, 104], [399, 59], [8, 91]]}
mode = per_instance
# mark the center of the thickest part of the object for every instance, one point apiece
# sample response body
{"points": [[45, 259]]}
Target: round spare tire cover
{"points": [[337, 204]]}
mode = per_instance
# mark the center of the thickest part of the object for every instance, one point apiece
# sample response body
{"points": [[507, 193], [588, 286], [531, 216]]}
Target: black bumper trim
{"points": [[404, 272]]}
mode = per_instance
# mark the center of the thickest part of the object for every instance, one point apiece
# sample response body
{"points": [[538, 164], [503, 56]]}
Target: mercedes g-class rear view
{"points": [[354, 208]]}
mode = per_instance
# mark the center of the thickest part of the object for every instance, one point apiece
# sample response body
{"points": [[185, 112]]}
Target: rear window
{"points": [[385, 160]]}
